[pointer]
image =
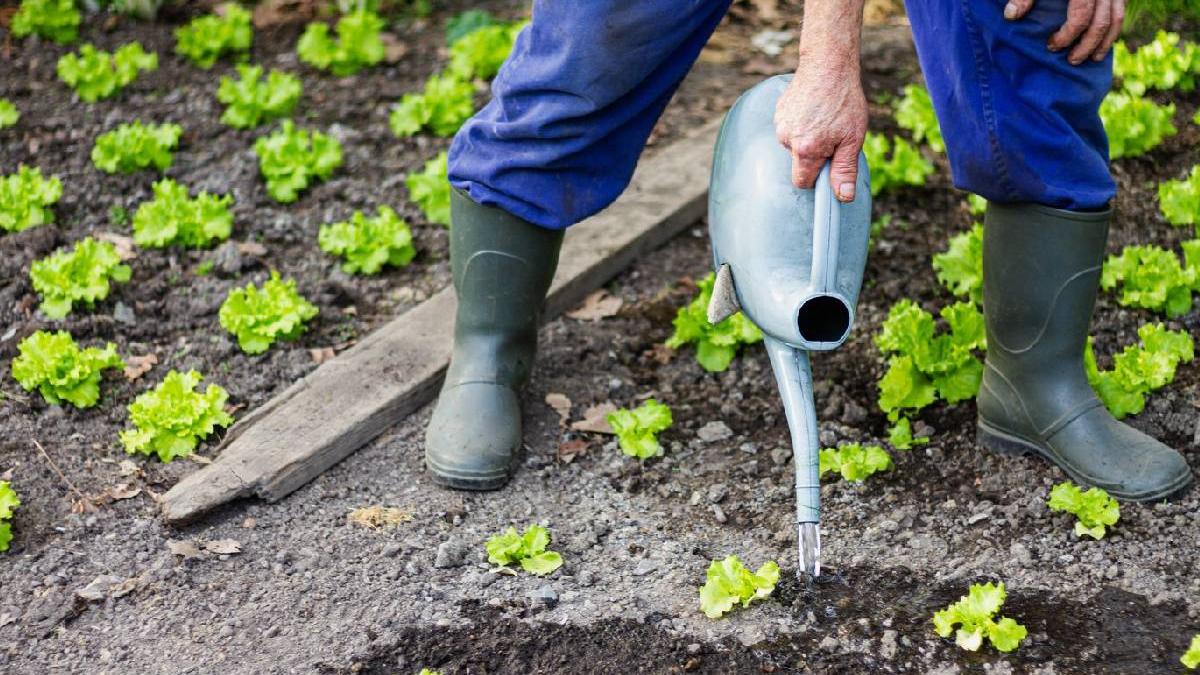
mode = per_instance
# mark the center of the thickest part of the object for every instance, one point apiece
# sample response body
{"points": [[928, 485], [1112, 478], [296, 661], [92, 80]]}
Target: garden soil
{"points": [[96, 583]]}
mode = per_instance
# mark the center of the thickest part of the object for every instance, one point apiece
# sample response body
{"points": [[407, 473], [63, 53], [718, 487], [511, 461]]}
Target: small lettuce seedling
{"points": [[973, 614], [1139, 369], [368, 244], [1151, 277], [1179, 200], [260, 317], [915, 113], [716, 345], [205, 39], [900, 435], [8, 503], [9, 115], [906, 166], [426, 671], [174, 218], [855, 462], [480, 53], [1135, 125], [728, 583], [960, 267], [251, 101], [430, 189], [290, 159], [54, 364], [136, 146], [1190, 658], [637, 429], [95, 74], [1094, 509], [171, 419], [528, 549], [55, 20], [442, 108], [81, 275], [1162, 63], [923, 365], [976, 205], [26, 199], [358, 44]]}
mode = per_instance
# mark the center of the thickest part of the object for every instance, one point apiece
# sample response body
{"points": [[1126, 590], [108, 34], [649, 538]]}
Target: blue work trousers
{"points": [[587, 80]]}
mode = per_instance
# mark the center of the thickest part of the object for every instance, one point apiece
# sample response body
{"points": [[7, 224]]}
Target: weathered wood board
{"points": [[352, 398]]}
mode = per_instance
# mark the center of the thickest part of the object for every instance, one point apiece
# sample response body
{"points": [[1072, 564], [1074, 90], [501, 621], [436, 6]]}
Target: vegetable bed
{"points": [[410, 583]]}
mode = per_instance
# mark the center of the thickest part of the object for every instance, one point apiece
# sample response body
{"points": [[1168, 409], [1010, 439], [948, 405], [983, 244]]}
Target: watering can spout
{"points": [[792, 261]]}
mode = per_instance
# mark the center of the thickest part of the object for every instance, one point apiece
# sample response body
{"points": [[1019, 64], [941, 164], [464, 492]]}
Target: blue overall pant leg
{"points": [[1021, 123], [575, 102]]}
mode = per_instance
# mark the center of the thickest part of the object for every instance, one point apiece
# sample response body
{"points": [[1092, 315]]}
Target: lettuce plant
{"points": [[960, 267], [462, 25], [854, 462], [728, 583], [1139, 369], [1094, 509], [430, 189], [904, 167], [527, 549], [205, 39], [915, 113], [900, 435], [480, 53], [56, 20], [136, 146], [924, 365], [442, 108], [250, 101], [9, 115], [358, 44], [79, 276], [26, 199], [637, 430], [1151, 277], [715, 345], [1190, 658], [260, 317], [174, 218], [976, 205], [1162, 64], [54, 365], [974, 614], [368, 244], [1180, 199], [170, 420], [95, 74], [8, 504], [1135, 125], [290, 159]]}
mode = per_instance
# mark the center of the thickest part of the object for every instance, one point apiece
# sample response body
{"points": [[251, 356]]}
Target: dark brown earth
{"points": [[313, 593]]}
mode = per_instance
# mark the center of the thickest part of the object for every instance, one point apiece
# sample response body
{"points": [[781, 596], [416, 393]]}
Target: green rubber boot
{"points": [[1041, 271], [502, 268]]}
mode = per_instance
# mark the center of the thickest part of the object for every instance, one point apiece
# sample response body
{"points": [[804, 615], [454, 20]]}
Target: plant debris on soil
{"points": [[99, 584]]}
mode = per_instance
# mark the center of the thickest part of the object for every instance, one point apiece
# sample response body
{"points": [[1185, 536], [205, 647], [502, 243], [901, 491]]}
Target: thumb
{"points": [[843, 172]]}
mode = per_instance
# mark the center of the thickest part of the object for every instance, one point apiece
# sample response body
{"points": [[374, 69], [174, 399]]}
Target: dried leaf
{"points": [[136, 366], [223, 546], [99, 587], [122, 491], [123, 244], [375, 517], [569, 449], [185, 548], [594, 419], [321, 355], [596, 306], [251, 248], [393, 48], [561, 405], [129, 468]]}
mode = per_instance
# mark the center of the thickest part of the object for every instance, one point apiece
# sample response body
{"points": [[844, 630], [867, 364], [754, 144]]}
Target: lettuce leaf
{"points": [[249, 101], [174, 218], [1094, 509], [637, 429], [716, 345], [55, 20], [95, 74], [430, 189], [171, 419], [728, 583], [259, 317], [206, 38], [290, 159], [26, 198], [1135, 125], [368, 244], [358, 44], [973, 614], [54, 365], [445, 104], [79, 276], [135, 146], [855, 462], [528, 549]]}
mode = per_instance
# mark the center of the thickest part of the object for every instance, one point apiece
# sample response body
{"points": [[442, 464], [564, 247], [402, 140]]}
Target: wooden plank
{"points": [[352, 398]]}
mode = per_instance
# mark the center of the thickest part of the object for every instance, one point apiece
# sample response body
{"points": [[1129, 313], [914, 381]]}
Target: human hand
{"points": [[822, 116], [1092, 26]]}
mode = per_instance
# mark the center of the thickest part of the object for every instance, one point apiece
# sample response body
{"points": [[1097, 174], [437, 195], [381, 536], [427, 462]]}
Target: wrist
{"points": [[820, 56]]}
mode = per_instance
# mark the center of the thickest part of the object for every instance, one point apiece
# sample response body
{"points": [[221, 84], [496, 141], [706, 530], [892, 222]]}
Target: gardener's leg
{"points": [[571, 110], [1022, 128]]}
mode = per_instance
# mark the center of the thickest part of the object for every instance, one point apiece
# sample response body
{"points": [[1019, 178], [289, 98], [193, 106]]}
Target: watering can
{"points": [[792, 260]]}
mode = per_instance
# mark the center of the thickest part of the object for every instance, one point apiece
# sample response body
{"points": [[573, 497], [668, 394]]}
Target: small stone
{"points": [[829, 643], [749, 448], [887, 645], [644, 566], [449, 554], [719, 514], [123, 313], [1020, 553], [99, 588], [717, 492], [391, 550], [781, 456], [693, 648], [585, 578], [271, 632], [544, 596], [714, 431], [228, 259]]}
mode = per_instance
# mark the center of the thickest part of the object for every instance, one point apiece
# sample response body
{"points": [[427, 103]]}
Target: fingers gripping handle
{"points": [[826, 226]]}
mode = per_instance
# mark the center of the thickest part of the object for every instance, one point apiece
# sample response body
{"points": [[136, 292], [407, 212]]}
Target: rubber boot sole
{"points": [[1003, 443], [472, 482]]}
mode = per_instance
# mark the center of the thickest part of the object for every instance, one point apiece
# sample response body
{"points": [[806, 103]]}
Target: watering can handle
{"points": [[826, 227]]}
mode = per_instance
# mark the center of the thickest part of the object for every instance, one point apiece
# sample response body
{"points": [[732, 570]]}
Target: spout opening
{"points": [[823, 318]]}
